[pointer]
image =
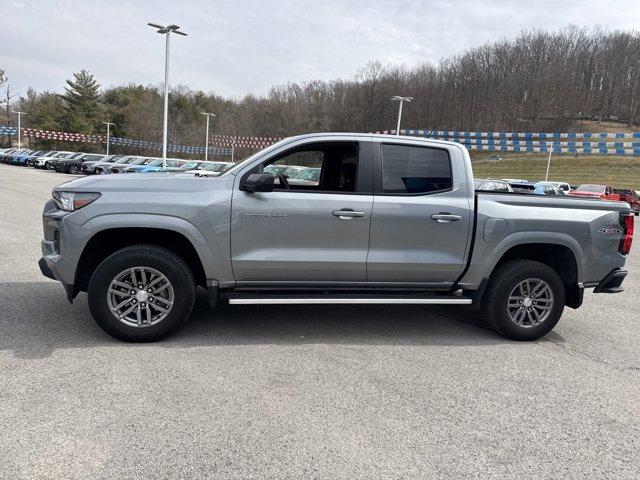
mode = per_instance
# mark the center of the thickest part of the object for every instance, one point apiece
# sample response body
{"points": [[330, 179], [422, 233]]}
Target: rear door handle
{"points": [[444, 217], [347, 214]]}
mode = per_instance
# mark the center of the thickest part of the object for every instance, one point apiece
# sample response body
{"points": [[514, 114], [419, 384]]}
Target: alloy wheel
{"points": [[140, 297], [530, 302]]}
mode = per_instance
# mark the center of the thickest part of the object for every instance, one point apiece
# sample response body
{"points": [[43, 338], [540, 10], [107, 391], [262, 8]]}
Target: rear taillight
{"points": [[627, 238]]}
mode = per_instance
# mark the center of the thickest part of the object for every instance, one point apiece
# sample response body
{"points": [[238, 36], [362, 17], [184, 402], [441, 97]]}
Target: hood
{"points": [[137, 182]]}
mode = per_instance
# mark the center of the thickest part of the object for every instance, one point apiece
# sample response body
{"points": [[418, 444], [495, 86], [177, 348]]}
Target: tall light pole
{"points": [[206, 141], [19, 119], [396, 98], [167, 32], [108, 124]]}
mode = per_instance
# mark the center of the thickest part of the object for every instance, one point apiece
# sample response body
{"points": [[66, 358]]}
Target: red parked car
{"points": [[631, 197], [603, 192]]}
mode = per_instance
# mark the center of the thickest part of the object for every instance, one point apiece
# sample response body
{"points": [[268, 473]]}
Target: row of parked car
{"points": [[93, 163], [586, 190]]}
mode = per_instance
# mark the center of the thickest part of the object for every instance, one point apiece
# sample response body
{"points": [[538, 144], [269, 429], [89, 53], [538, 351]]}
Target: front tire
{"points": [[524, 300], [74, 169], [141, 293]]}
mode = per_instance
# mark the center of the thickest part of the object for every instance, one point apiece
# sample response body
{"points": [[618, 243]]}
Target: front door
{"points": [[314, 227], [422, 216]]}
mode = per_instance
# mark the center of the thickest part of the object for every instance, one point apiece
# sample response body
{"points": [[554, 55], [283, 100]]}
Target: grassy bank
{"points": [[606, 169]]}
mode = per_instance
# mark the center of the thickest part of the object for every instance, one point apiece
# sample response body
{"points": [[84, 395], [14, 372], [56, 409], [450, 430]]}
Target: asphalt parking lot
{"points": [[305, 391]]}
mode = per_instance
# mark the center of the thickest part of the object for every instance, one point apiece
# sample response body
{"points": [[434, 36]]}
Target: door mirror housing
{"points": [[257, 182]]}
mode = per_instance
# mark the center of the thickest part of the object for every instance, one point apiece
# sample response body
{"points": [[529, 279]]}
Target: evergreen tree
{"points": [[83, 103]]}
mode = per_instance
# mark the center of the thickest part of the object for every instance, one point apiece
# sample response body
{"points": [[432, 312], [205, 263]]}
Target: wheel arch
{"points": [[109, 240], [558, 256]]}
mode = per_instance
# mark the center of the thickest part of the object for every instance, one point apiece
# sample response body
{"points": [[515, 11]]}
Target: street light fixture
{"points": [[19, 119], [108, 124], [206, 144], [397, 98], [166, 31]]}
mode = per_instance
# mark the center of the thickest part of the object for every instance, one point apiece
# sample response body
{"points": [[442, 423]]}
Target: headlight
{"points": [[71, 201]]}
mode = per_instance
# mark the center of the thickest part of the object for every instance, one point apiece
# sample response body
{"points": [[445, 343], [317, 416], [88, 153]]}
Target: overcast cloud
{"points": [[239, 47]]}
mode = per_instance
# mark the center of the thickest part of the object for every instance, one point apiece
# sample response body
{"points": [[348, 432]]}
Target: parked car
{"points": [[140, 167], [310, 176], [359, 239], [173, 164], [631, 197], [40, 153], [9, 156], [45, 160], [51, 164], [548, 188], [492, 185], [5, 153], [563, 186], [22, 157], [88, 167], [73, 165], [103, 167], [603, 192], [523, 187], [213, 168], [133, 161], [289, 171], [511, 181]]}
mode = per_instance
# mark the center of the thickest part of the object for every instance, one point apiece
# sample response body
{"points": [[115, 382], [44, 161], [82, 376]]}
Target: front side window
{"points": [[334, 166], [415, 170]]}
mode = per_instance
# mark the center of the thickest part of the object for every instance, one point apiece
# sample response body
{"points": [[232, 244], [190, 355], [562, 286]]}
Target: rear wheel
{"points": [[141, 293], [524, 300], [74, 169]]}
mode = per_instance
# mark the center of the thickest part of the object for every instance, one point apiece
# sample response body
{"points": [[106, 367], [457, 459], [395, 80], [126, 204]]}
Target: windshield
{"points": [[309, 174], [155, 162], [190, 166], [477, 184], [123, 160], [137, 161], [591, 188], [61, 155], [293, 171]]}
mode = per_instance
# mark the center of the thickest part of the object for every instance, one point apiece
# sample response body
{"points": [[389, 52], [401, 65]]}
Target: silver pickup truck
{"points": [[390, 220]]}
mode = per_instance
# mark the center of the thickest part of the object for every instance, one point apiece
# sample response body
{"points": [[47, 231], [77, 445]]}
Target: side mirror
{"points": [[257, 182]]}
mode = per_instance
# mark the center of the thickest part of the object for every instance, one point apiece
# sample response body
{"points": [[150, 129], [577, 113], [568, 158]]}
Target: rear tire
{"points": [[524, 300], [74, 169], [167, 303]]}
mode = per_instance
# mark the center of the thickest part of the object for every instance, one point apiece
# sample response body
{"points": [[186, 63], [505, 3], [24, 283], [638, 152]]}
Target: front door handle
{"points": [[347, 214], [444, 217]]}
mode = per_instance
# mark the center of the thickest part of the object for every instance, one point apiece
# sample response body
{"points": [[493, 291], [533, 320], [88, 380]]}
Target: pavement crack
{"points": [[574, 352]]}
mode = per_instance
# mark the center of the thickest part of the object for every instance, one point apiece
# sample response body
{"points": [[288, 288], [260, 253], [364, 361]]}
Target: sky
{"points": [[237, 47]]}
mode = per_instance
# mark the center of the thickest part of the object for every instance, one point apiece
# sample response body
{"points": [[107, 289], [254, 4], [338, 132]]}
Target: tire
{"points": [[506, 281], [181, 290], [74, 169]]}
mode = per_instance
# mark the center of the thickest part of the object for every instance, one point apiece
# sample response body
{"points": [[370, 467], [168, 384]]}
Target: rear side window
{"points": [[412, 170]]}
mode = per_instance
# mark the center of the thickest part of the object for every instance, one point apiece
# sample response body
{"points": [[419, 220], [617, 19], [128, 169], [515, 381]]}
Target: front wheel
{"points": [[524, 300], [74, 169], [141, 293]]}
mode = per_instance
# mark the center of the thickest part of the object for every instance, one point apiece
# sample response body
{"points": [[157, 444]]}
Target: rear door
{"points": [[422, 214], [311, 233]]}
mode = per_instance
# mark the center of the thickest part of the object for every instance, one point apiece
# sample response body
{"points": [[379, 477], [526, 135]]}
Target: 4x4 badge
{"points": [[610, 231]]}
